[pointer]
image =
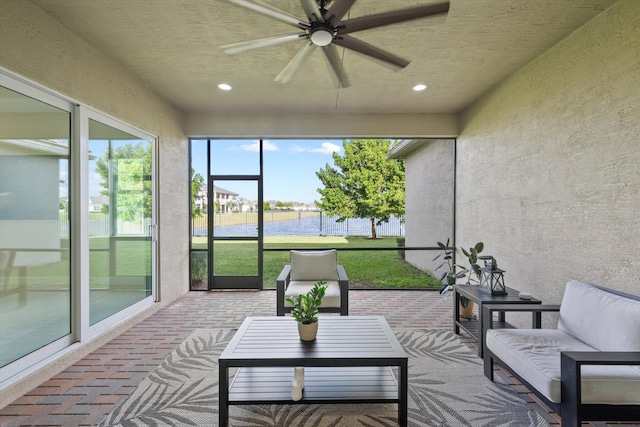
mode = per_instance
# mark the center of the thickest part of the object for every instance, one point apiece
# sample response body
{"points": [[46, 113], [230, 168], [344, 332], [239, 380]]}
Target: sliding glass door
{"points": [[77, 224]]}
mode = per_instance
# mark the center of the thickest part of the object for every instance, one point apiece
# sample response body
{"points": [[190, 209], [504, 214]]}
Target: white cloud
{"points": [[297, 148], [255, 146], [327, 148], [269, 146]]}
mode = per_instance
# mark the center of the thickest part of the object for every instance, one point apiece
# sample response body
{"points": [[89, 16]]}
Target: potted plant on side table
{"points": [[474, 268], [472, 256], [450, 275], [305, 310]]}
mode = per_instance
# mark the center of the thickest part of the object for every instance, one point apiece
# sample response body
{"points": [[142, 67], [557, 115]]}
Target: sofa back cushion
{"points": [[604, 320], [314, 265]]}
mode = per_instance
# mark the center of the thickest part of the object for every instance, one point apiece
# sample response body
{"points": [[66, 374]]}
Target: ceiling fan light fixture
{"points": [[420, 87], [321, 37], [224, 86]]}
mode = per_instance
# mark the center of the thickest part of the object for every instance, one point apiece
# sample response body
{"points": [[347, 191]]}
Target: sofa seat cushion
{"points": [[299, 287], [534, 354]]}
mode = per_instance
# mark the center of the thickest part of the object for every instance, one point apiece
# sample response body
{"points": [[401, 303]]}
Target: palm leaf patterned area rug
{"points": [[446, 388]]}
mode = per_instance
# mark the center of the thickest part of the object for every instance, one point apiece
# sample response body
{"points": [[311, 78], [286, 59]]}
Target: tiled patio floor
{"points": [[82, 394]]}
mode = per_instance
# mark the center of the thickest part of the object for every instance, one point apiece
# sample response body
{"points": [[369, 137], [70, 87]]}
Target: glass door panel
{"points": [[120, 218], [235, 258], [235, 232], [35, 279], [235, 208]]}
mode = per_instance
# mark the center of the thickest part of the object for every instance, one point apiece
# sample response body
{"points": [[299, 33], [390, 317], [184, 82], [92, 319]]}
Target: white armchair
{"points": [[304, 270]]}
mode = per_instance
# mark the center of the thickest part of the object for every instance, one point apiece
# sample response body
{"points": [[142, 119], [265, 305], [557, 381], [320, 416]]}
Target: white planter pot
{"points": [[308, 332]]}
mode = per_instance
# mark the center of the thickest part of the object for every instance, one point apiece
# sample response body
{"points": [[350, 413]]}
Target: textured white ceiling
{"points": [[173, 46]]}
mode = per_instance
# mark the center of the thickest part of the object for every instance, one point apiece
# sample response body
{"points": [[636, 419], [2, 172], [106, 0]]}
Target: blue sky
{"points": [[290, 165]]}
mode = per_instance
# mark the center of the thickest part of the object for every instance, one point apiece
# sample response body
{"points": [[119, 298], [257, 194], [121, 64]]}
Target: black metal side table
{"points": [[477, 328]]}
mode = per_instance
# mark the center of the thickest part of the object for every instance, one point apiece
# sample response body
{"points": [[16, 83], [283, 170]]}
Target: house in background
{"points": [[97, 203], [247, 205], [224, 200]]}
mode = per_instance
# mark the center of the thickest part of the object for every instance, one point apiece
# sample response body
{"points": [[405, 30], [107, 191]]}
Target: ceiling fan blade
{"points": [[387, 18], [335, 66], [254, 44], [273, 12], [289, 70], [338, 9], [312, 10], [371, 51]]}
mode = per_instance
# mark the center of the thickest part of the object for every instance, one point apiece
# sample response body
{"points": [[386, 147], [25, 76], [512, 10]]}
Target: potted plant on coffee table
{"points": [[305, 310]]}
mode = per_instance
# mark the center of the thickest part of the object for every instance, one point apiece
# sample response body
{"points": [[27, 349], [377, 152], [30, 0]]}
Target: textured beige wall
{"points": [[549, 163], [429, 200], [324, 125], [37, 48]]}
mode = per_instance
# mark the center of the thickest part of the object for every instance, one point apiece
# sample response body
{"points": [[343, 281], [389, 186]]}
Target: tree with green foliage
{"points": [[197, 182], [364, 183], [266, 206], [129, 166], [233, 206], [284, 205]]}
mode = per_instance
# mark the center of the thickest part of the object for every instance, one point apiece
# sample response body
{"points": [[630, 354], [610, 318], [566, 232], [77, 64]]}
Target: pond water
{"points": [[310, 226]]}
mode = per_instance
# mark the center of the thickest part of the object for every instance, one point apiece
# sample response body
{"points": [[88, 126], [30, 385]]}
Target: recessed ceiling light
{"points": [[224, 86], [419, 87]]}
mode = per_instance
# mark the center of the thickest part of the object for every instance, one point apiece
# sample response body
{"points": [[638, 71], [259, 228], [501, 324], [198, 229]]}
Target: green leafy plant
{"points": [[401, 242], [450, 275], [199, 269], [472, 256], [305, 307]]}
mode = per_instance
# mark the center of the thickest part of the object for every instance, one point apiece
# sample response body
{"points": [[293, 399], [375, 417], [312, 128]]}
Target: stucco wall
{"points": [[429, 200], [38, 48], [323, 125], [548, 171]]}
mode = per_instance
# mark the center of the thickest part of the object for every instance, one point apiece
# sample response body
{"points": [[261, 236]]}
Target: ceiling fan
{"points": [[325, 28]]}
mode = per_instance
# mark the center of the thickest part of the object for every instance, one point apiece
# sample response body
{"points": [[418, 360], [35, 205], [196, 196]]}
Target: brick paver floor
{"points": [[84, 393]]}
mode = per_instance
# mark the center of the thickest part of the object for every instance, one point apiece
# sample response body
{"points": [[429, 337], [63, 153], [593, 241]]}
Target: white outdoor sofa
{"points": [[588, 369]]}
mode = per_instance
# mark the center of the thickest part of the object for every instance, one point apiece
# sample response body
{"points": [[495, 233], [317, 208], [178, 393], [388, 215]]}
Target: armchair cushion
{"points": [[314, 265], [298, 287]]}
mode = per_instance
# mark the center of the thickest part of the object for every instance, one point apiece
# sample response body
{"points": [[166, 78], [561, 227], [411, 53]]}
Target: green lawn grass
{"points": [[132, 258], [366, 268]]}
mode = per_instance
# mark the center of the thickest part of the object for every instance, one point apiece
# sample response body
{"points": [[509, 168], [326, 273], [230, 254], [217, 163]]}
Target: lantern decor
{"points": [[491, 277]]}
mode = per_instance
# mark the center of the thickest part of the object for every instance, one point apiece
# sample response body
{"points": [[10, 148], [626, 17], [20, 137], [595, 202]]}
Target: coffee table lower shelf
{"points": [[354, 384]]}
